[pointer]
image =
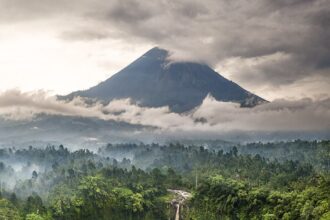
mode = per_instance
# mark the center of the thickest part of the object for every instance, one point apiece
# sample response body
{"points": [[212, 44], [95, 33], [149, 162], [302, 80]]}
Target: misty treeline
{"points": [[283, 180]]}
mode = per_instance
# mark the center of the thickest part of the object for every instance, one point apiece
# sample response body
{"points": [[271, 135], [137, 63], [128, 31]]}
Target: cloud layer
{"points": [[305, 115], [264, 45]]}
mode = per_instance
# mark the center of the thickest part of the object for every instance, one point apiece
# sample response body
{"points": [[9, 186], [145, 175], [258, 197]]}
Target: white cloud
{"points": [[304, 115]]}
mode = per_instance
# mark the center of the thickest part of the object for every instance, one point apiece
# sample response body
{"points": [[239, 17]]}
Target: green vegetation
{"points": [[286, 180]]}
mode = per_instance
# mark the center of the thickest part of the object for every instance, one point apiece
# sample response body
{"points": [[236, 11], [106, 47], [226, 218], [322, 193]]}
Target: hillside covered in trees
{"points": [[284, 180]]}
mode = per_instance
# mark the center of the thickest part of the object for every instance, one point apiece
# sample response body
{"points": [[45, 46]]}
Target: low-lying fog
{"points": [[40, 118]]}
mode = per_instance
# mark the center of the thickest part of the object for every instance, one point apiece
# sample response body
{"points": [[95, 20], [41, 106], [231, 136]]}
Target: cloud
{"points": [[210, 31], [259, 44], [212, 117], [17, 105], [273, 70], [280, 115]]}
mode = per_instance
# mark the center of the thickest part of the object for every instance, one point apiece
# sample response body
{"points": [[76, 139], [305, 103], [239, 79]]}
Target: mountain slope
{"points": [[151, 81]]}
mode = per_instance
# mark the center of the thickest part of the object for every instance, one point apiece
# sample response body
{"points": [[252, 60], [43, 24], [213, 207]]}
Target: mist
{"points": [[96, 122]]}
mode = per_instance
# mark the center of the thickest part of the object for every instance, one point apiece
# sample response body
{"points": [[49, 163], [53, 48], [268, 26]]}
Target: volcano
{"points": [[153, 81]]}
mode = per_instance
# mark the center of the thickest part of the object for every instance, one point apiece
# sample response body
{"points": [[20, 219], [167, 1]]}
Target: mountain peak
{"points": [[182, 85], [156, 51]]}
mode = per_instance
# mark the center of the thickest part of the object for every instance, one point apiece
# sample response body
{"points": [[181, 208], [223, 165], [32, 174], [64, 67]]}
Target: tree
{"points": [[34, 216], [34, 175], [8, 211], [34, 204]]}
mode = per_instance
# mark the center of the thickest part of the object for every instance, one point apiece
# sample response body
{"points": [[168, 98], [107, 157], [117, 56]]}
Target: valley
{"points": [[174, 181]]}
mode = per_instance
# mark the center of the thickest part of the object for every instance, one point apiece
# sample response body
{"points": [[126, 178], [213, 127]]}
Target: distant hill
{"points": [[153, 82]]}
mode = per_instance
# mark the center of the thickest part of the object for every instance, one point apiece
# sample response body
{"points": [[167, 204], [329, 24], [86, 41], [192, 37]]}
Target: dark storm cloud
{"points": [[18, 10], [270, 42], [130, 11]]}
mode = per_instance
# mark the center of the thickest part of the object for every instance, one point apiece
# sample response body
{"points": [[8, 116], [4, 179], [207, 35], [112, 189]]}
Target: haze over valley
{"points": [[155, 98], [161, 110]]}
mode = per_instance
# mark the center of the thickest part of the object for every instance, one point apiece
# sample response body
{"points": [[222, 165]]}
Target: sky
{"points": [[276, 49]]}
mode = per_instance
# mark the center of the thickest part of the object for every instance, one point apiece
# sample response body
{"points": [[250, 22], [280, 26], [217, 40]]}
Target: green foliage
{"points": [[285, 180], [34, 216], [34, 204], [8, 211], [233, 199]]}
